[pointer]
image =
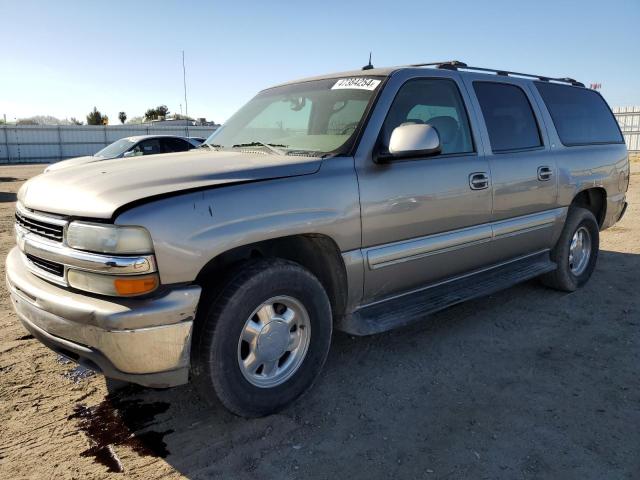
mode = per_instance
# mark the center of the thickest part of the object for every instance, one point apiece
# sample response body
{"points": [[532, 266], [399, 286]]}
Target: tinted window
{"points": [[437, 103], [175, 145], [508, 115], [148, 147], [580, 116]]}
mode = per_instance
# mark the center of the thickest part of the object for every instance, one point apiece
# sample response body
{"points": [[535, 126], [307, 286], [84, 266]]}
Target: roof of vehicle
{"points": [[137, 138], [453, 65]]}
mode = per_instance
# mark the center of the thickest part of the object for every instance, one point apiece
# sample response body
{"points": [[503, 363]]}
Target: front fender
{"points": [[190, 229]]}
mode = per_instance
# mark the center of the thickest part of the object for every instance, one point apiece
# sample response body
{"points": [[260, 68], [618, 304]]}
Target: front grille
{"points": [[51, 267], [39, 227]]}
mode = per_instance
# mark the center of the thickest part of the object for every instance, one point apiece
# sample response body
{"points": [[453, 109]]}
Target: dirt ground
{"points": [[527, 383]]}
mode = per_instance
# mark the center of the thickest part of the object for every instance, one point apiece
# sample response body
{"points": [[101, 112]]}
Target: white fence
{"points": [[50, 143], [629, 121]]}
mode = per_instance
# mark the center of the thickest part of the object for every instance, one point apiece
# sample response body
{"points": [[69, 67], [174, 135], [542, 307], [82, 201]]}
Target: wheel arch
{"points": [[318, 253], [593, 199]]}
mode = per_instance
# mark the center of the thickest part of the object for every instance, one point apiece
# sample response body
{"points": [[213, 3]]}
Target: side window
{"points": [[174, 145], [508, 115], [581, 116], [148, 147], [436, 102]]}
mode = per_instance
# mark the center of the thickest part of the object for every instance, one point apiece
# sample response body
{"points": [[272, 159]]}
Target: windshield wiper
{"points": [[273, 147], [212, 146]]}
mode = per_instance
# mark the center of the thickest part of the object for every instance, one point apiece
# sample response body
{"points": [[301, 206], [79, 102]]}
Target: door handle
{"points": [[544, 173], [478, 181]]}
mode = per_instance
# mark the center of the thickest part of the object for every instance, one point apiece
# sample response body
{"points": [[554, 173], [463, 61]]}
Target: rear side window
{"points": [[175, 145], [508, 115], [581, 116]]}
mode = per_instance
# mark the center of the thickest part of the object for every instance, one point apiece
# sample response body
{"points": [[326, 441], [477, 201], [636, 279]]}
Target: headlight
{"points": [[112, 285], [103, 238]]}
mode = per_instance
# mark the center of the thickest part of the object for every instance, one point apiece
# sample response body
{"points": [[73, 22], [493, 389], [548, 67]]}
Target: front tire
{"points": [[576, 252], [263, 339]]}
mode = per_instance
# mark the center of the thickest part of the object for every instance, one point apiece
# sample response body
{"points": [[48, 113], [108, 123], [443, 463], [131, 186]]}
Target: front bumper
{"points": [[144, 341]]}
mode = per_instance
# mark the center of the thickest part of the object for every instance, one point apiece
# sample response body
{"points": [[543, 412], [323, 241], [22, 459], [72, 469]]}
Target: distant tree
{"points": [[155, 113], [122, 116], [74, 121], [41, 120], [96, 118]]}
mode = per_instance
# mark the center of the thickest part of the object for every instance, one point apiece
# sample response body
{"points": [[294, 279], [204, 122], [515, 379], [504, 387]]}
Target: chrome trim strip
{"points": [[40, 217], [425, 246], [525, 223], [392, 254]]}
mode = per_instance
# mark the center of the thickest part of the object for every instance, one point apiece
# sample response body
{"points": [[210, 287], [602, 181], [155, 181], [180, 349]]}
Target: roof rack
{"points": [[455, 65]]}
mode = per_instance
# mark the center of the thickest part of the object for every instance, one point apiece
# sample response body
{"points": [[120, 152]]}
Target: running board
{"points": [[408, 308]]}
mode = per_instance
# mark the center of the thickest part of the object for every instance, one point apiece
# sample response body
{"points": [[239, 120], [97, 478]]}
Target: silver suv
{"points": [[360, 201]]}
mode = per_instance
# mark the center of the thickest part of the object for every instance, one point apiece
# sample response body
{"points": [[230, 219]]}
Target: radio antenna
{"points": [[369, 65]]}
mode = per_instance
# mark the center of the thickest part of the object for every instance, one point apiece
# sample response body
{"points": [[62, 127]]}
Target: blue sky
{"points": [[62, 58]]}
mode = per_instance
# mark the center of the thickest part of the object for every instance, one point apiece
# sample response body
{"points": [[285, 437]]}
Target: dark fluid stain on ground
{"points": [[63, 360], [79, 373], [114, 421]]}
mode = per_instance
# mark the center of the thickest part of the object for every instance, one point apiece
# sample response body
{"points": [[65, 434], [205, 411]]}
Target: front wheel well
{"points": [[595, 200], [317, 253]]}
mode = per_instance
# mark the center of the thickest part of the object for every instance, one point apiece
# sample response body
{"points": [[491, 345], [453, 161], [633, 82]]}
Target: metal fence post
{"points": [[60, 143], [15, 130], [6, 142]]}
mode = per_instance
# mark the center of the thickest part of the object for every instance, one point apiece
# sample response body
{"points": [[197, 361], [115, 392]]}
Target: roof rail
{"points": [[455, 65]]}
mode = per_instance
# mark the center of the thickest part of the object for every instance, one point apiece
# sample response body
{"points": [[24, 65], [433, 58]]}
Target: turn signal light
{"points": [[115, 286], [135, 285]]}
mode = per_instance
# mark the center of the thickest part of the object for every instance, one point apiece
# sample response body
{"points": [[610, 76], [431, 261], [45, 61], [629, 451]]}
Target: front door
{"points": [[423, 219]]}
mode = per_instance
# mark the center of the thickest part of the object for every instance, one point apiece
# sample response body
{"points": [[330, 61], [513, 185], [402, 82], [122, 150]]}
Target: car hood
{"points": [[72, 162], [98, 189]]}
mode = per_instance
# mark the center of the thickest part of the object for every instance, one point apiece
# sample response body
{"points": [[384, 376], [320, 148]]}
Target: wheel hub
{"points": [[273, 340], [580, 251]]}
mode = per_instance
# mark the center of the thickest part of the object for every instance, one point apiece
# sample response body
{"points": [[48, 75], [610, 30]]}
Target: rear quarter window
{"points": [[581, 116]]}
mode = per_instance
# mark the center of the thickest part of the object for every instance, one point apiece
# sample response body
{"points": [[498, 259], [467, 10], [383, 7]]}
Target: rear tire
{"points": [[576, 252], [263, 339]]}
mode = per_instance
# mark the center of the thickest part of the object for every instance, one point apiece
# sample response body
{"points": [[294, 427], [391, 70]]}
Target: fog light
{"points": [[115, 286]]}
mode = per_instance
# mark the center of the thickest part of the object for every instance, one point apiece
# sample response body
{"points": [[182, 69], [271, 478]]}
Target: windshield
{"points": [[115, 149], [310, 118]]}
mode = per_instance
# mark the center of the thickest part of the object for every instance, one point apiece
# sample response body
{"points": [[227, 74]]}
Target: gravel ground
{"points": [[527, 383]]}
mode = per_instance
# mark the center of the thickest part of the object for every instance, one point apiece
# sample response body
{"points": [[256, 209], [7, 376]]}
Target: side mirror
{"points": [[131, 153], [414, 140]]}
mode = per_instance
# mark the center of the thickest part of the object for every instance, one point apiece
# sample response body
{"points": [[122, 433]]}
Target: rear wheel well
{"points": [[317, 253], [595, 200]]}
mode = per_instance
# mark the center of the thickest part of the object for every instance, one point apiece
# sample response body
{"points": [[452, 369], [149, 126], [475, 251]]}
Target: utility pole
{"points": [[184, 82]]}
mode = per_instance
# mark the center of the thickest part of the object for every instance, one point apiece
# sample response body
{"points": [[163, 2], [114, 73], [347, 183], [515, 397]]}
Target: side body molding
{"points": [[407, 250]]}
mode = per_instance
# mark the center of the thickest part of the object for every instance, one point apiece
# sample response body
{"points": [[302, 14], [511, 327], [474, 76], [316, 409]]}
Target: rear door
{"points": [[523, 168]]}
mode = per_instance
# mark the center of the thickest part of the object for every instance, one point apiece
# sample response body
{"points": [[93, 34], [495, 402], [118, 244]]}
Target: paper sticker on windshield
{"points": [[358, 83]]}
